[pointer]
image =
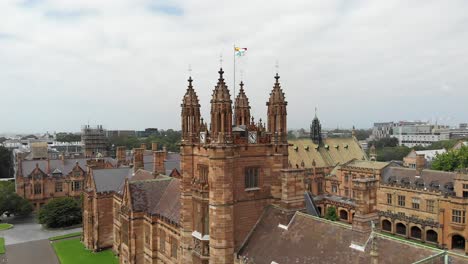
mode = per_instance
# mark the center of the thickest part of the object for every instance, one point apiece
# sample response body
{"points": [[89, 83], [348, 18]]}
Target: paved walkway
{"points": [[37, 252], [27, 229]]}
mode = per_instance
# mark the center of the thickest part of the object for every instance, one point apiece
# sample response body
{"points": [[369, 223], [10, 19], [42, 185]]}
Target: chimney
{"points": [[48, 166], [62, 158], [120, 154], [143, 146], [138, 159], [420, 163], [158, 162], [154, 146]]}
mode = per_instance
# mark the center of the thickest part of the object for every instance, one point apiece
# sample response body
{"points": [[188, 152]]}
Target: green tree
{"points": [[291, 135], [392, 153], [68, 137], [331, 214], [6, 165], [60, 212], [12, 203], [452, 160]]}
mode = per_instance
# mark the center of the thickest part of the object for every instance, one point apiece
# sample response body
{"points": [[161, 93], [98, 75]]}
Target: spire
{"points": [[316, 130], [221, 111], [190, 114], [277, 114], [242, 107]]}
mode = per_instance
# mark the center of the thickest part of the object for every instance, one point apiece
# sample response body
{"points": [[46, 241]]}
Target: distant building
{"points": [[463, 126], [147, 132], [429, 155], [94, 141], [382, 130], [120, 133]]}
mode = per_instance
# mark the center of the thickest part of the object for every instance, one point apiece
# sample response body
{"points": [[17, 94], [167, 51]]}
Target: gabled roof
{"points": [[108, 180], [65, 166], [307, 239], [332, 152], [159, 197]]}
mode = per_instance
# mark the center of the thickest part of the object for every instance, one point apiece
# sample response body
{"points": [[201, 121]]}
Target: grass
{"points": [[71, 251], [65, 236], [5, 226], [409, 241], [2, 245]]}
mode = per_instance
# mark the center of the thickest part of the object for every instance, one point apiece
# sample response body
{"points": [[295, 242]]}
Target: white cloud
{"points": [[124, 63]]}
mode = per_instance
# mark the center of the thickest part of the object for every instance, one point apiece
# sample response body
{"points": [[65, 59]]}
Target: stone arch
{"points": [[415, 232], [431, 236], [386, 225], [320, 210], [400, 229], [458, 242], [343, 214]]}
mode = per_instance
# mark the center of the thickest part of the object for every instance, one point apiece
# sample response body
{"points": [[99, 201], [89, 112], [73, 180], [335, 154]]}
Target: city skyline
{"points": [[125, 64]]}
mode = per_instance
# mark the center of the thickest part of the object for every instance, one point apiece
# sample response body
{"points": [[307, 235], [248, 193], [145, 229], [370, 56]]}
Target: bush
{"points": [[60, 212], [331, 214], [12, 203]]}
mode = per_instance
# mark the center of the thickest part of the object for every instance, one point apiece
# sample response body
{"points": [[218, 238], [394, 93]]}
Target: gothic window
{"points": [[162, 241], [401, 200], [203, 173], [430, 206], [389, 198], [147, 235], [37, 189], [415, 203], [76, 185], [174, 246], [124, 231], [251, 177], [334, 189], [58, 187], [458, 216]]}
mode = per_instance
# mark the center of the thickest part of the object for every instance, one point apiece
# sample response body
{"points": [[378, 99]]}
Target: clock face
{"points": [[202, 137], [252, 137]]}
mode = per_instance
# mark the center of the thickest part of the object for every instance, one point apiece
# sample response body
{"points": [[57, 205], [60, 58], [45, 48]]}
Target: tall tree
{"points": [[6, 164]]}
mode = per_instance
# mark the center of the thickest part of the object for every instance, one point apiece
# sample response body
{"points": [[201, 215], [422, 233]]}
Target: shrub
{"points": [[331, 214], [60, 212]]}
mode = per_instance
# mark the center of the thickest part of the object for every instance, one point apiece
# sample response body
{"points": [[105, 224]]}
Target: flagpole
{"points": [[234, 86]]}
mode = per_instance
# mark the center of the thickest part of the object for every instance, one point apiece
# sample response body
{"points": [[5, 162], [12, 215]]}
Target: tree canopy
{"points": [[12, 203], [6, 165], [452, 160], [68, 137], [169, 138], [60, 212], [331, 214]]}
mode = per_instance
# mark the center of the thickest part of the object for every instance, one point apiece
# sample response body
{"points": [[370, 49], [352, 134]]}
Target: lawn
{"points": [[71, 251], [2, 245], [5, 226], [65, 236]]}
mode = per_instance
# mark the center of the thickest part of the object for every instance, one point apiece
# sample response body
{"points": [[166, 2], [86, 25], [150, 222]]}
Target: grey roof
{"points": [[172, 162], [430, 179], [65, 166], [107, 180]]}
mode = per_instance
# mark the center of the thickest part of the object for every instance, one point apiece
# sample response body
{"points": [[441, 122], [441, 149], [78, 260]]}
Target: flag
{"points": [[239, 51]]}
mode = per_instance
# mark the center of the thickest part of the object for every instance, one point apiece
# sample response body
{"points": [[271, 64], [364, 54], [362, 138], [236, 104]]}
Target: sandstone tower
{"points": [[229, 172]]}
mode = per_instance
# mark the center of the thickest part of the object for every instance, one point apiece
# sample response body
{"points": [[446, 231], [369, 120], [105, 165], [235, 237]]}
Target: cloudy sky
{"points": [[124, 64]]}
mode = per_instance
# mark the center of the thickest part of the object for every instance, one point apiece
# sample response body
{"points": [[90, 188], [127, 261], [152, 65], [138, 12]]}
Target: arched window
{"points": [[386, 225], [401, 229], [431, 236], [416, 232], [343, 215], [458, 242]]}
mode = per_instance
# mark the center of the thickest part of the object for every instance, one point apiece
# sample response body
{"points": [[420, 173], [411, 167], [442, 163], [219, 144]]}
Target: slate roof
{"points": [[310, 239], [107, 180], [159, 197], [428, 179], [65, 166], [339, 151], [367, 164]]}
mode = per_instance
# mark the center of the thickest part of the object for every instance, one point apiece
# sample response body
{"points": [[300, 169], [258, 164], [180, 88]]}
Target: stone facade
{"points": [[429, 206]]}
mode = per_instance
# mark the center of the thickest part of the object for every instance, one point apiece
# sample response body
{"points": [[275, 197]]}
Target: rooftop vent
{"points": [[306, 148], [296, 148]]}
